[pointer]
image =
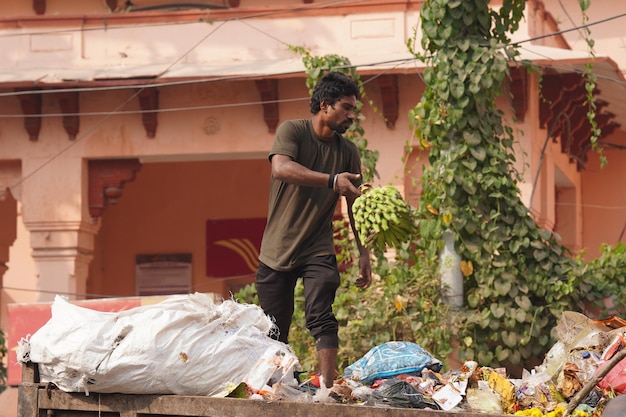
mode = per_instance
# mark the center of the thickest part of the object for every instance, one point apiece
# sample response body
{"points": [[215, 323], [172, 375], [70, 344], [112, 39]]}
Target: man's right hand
{"points": [[345, 184]]}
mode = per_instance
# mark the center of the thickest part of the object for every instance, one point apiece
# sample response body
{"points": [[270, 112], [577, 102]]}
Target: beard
{"points": [[342, 127]]}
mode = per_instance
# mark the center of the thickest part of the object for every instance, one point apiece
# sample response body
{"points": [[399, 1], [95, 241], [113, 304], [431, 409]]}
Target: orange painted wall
{"points": [[604, 200], [165, 211]]}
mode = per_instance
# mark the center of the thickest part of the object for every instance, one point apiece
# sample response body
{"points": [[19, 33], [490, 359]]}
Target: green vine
{"points": [[590, 85], [520, 276], [604, 282]]}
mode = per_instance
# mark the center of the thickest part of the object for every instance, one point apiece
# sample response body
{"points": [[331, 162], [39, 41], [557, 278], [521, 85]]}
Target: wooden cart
{"points": [[37, 399]]}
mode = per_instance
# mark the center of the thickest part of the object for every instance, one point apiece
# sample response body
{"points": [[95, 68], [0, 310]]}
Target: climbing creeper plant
{"points": [[590, 85], [517, 276]]}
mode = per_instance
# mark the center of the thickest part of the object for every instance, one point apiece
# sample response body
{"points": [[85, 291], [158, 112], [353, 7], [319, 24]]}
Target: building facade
{"points": [[134, 135]]}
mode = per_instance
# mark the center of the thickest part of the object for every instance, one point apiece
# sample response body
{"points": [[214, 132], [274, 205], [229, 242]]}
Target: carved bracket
{"points": [[39, 6], [106, 180], [564, 113], [268, 89], [31, 108], [389, 94], [68, 102], [149, 102], [112, 4]]}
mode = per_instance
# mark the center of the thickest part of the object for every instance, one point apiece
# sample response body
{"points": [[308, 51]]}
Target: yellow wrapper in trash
{"points": [[505, 388]]}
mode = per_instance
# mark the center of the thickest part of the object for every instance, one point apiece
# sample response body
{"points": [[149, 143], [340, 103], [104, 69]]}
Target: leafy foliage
{"points": [[590, 85], [603, 281], [403, 303], [521, 277], [518, 277]]}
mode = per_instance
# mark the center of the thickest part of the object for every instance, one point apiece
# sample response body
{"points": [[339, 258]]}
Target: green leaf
{"points": [[457, 89], [469, 164], [471, 138], [445, 31], [479, 153], [523, 302], [520, 315], [510, 339], [502, 353], [540, 255], [497, 310], [484, 357], [502, 287], [473, 300]]}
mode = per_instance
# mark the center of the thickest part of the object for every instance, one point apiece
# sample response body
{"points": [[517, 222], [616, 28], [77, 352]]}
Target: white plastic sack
{"points": [[186, 345]]}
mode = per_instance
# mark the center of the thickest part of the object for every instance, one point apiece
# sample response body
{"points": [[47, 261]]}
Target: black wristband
{"points": [[330, 181]]}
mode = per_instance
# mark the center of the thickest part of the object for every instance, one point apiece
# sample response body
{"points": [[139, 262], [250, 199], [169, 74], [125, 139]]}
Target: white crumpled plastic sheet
{"points": [[185, 345]]}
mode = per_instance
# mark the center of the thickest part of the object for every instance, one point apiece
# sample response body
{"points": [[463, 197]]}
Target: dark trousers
{"points": [[320, 277]]}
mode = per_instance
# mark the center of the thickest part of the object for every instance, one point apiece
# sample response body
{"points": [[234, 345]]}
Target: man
{"points": [[312, 166]]}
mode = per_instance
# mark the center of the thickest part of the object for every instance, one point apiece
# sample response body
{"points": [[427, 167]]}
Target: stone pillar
{"points": [[62, 251], [9, 176], [55, 212]]}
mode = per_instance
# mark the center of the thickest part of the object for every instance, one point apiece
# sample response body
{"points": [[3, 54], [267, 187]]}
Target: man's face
{"points": [[339, 116]]}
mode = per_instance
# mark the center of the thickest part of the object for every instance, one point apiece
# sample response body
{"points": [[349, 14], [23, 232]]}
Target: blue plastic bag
{"points": [[391, 359]]}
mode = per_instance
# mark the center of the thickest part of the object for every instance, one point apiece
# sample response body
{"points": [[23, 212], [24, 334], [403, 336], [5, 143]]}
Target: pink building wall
{"points": [[208, 157]]}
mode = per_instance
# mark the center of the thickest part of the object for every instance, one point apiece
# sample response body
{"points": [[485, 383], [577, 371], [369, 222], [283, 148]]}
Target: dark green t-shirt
{"points": [[299, 222]]}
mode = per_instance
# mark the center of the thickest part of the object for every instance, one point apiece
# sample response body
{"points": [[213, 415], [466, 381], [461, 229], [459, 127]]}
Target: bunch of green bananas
{"points": [[382, 217]]}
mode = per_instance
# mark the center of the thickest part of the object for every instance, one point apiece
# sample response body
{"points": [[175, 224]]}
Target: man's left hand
{"points": [[365, 271]]}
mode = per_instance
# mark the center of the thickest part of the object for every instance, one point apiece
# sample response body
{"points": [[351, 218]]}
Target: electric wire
{"points": [[152, 83], [104, 119], [576, 28], [144, 85]]}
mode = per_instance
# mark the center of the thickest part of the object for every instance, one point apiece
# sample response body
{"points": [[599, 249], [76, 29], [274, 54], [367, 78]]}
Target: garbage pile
{"points": [[194, 345], [402, 374]]}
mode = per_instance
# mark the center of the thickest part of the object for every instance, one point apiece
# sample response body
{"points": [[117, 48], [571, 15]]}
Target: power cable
{"points": [[101, 122], [141, 84], [74, 142], [74, 294], [227, 105], [567, 14], [576, 28], [152, 83]]}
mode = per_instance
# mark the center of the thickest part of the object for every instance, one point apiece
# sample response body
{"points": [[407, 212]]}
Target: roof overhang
{"points": [[551, 61]]}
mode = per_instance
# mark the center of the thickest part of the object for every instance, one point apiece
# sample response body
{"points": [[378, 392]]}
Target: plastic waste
{"points": [[398, 393], [554, 360], [483, 400], [391, 359]]}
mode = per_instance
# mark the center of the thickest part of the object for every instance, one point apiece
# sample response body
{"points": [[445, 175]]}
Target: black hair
{"points": [[331, 88]]}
